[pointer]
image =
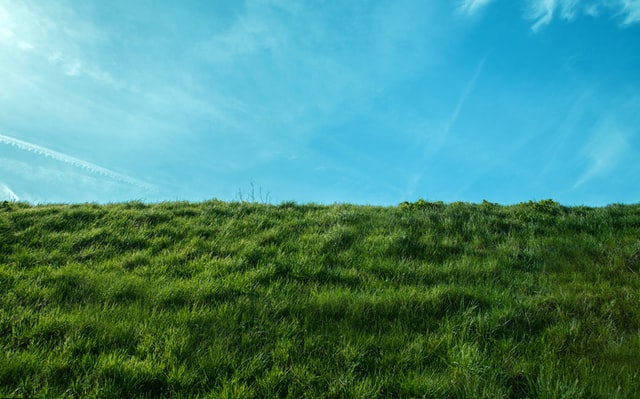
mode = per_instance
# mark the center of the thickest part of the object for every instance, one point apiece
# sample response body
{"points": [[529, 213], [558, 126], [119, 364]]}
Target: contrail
{"points": [[463, 97], [78, 163], [4, 189], [453, 118]]}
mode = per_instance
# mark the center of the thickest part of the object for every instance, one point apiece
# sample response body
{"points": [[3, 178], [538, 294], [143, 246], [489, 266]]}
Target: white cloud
{"points": [[5, 31], [568, 9], [471, 7], [73, 67], [55, 35], [592, 10], [25, 46], [631, 8], [543, 12]]}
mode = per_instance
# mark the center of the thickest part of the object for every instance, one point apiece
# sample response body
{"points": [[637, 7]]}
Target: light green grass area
{"points": [[245, 300]]}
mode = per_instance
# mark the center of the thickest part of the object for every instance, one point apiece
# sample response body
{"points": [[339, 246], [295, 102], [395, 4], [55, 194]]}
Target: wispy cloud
{"points": [[543, 12], [297, 69], [471, 7], [604, 151], [631, 11], [29, 30], [76, 162]]}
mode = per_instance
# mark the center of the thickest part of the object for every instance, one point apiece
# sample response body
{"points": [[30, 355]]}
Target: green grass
{"points": [[244, 300]]}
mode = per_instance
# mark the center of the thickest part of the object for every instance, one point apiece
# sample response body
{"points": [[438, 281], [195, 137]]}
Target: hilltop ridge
{"points": [[219, 299]]}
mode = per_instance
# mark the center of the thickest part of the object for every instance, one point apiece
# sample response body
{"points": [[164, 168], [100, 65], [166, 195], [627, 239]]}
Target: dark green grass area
{"points": [[244, 300]]}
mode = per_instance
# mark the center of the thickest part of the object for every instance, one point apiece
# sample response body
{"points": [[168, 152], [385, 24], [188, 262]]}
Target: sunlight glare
{"points": [[5, 25]]}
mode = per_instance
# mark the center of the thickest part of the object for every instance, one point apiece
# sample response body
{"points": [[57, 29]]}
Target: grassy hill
{"points": [[242, 300]]}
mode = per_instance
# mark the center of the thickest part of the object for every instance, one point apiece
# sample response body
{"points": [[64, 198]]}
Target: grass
{"points": [[245, 300]]}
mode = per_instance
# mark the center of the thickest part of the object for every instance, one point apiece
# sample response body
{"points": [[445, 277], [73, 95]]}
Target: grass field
{"points": [[245, 300]]}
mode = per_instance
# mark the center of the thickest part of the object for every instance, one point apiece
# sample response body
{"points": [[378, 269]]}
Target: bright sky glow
{"points": [[366, 102]]}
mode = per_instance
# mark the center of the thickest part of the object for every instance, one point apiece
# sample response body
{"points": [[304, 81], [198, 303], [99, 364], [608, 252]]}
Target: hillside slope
{"points": [[220, 299]]}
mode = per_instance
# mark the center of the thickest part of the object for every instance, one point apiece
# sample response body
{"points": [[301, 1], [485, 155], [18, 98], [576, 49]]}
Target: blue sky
{"points": [[366, 102]]}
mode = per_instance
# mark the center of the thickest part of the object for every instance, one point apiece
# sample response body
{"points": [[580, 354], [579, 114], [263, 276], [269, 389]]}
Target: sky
{"points": [[363, 102]]}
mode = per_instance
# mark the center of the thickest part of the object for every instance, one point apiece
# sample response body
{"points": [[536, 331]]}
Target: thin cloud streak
{"points": [[605, 151], [471, 7], [442, 138], [78, 163], [7, 194], [463, 97]]}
